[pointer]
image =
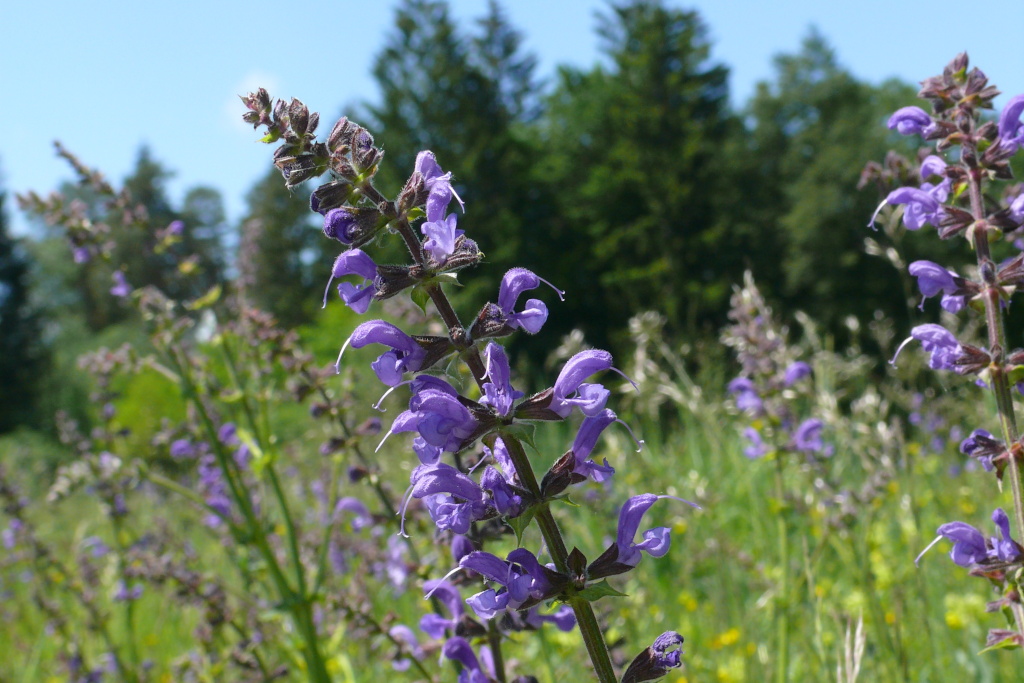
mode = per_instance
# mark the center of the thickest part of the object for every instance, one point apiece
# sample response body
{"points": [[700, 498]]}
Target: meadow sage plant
{"points": [[957, 195], [447, 416]]}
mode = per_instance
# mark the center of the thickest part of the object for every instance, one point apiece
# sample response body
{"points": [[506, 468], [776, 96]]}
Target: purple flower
{"points": [[1017, 208], [182, 448], [655, 661], [81, 254], [796, 371], [912, 121], [121, 287], [503, 496], [1011, 128], [521, 578], [932, 165], [585, 441], [757, 448], [983, 446], [458, 649], [939, 342], [570, 390], [434, 625], [515, 282], [405, 354], [404, 635], [656, 541], [441, 484], [123, 593], [807, 437], [360, 514], [745, 393], [354, 262], [970, 547], [438, 184], [563, 618], [175, 228], [932, 279], [350, 225], [441, 236], [923, 204], [437, 414], [498, 391]]}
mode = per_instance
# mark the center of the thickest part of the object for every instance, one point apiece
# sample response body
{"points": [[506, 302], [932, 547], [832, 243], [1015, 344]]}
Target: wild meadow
{"points": [[443, 474]]}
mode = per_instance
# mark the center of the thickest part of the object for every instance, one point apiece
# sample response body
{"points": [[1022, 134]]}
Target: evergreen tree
{"points": [[633, 158], [21, 350], [813, 130]]}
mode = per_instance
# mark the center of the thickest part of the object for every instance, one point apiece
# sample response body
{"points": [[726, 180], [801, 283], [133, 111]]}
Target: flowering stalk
{"points": [[958, 97], [446, 421]]}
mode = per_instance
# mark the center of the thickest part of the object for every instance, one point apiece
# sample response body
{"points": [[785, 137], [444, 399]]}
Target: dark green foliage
{"points": [[812, 131], [21, 351], [633, 155]]}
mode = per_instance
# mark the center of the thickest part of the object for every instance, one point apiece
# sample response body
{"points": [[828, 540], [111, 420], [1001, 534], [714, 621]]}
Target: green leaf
{"points": [[519, 524], [420, 297], [1004, 644], [271, 137], [524, 431], [596, 591]]}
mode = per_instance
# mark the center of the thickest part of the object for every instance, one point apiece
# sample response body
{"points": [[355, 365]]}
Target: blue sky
{"points": [[106, 77]]}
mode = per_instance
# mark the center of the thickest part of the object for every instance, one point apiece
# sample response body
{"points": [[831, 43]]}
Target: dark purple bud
{"points": [[655, 661], [354, 226]]}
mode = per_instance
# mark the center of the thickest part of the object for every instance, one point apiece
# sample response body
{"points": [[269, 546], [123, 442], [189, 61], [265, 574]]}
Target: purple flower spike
{"points": [[405, 354], [939, 342], [498, 391], [515, 282], [354, 262], [121, 287], [656, 541], [912, 121], [569, 389], [1011, 128]]}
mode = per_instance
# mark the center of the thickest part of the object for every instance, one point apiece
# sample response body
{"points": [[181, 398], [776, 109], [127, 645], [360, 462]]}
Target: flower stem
{"points": [[585, 617]]}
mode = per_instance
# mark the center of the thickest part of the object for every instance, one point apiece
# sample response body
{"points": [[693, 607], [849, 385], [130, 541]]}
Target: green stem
{"points": [[585, 617], [997, 345], [782, 615]]}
